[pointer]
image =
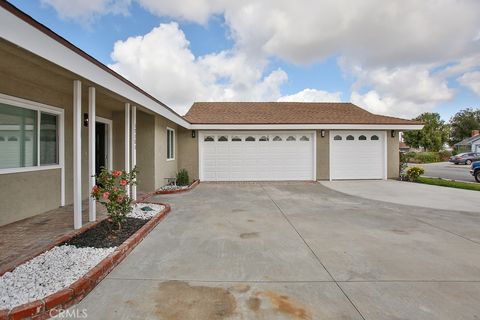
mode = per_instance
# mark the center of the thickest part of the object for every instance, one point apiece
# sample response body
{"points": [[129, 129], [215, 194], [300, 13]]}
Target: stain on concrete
{"points": [[251, 220], [254, 303], [249, 235], [241, 288], [238, 210], [287, 306], [398, 231], [177, 300]]}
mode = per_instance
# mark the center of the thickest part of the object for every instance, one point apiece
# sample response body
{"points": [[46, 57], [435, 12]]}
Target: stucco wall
{"points": [[393, 156], [323, 156], [28, 193], [164, 168], [188, 152], [146, 151]]}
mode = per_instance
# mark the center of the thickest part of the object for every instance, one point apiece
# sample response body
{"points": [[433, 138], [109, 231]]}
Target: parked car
{"points": [[465, 158], [475, 171]]}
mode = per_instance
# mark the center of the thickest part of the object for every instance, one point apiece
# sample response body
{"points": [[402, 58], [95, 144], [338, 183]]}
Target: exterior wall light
{"points": [[193, 134], [85, 120], [392, 133], [322, 133]]}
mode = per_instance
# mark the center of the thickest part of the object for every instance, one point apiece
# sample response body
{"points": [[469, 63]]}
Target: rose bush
{"points": [[111, 191]]}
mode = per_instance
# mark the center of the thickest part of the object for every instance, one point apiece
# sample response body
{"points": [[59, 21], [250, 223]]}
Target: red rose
{"points": [[106, 195], [94, 189], [116, 173], [123, 182]]}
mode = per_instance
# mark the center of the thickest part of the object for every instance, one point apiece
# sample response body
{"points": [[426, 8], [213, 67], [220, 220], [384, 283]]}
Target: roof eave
{"points": [[402, 127]]}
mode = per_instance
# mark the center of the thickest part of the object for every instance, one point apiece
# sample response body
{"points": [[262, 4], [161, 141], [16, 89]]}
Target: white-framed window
{"points": [[170, 144], [35, 135]]}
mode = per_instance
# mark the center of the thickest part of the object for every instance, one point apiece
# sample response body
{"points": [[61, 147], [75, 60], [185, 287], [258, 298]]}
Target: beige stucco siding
{"points": [[145, 151], [323, 156], [393, 156], [164, 168], [188, 152]]}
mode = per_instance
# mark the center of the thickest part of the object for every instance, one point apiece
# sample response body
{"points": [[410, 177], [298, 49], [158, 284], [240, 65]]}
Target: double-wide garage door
{"points": [[257, 156]]}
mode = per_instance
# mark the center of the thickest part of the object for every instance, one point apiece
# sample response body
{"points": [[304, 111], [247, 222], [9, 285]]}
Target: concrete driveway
{"points": [[296, 251]]}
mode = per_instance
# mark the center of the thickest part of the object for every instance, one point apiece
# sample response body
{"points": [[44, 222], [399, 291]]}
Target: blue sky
{"points": [[375, 85]]}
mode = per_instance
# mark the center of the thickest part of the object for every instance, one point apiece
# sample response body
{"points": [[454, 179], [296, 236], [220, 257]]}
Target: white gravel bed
{"points": [[173, 188], [146, 213], [48, 273]]}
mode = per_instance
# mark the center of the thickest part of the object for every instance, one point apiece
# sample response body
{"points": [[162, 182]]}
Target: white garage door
{"points": [[357, 155], [257, 156]]}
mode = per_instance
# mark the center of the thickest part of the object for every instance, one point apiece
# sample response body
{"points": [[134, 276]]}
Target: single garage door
{"points": [[357, 155], [257, 156]]}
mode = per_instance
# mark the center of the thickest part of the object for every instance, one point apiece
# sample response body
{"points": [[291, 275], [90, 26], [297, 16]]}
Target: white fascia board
{"points": [[22, 34], [402, 127]]}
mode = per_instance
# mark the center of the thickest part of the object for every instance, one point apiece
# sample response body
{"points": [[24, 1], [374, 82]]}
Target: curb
{"points": [[65, 298], [190, 187]]}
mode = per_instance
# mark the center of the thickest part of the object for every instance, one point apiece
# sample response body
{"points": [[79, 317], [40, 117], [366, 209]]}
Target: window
{"points": [[374, 137], [350, 137], [30, 133], [291, 138], [250, 138], [362, 137], [263, 138], [209, 139], [222, 138], [277, 138], [304, 138], [337, 138], [236, 138], [170, 144]]}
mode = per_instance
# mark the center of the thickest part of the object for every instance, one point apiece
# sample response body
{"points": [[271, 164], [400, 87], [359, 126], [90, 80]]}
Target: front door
{"points": [[100, 146]]}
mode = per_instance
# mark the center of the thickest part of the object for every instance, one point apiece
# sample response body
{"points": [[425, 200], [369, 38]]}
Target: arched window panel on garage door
{"points": [[291, 138], [362, 138], [250, 139], [222, 138], [208, 139], [304, 138], [350, 138], [263, 138], [374, 137], [236, 139], [277, 138], [337, 138]]}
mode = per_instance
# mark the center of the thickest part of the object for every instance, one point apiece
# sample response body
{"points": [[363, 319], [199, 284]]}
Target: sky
{"points": [[399, 57]]}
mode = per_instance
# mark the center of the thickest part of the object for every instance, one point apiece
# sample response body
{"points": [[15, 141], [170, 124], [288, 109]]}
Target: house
{"points": [[470, 144], [64, 115]]}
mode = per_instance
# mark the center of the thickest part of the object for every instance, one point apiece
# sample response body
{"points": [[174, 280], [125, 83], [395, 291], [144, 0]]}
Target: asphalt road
{"points": [[447, 170]]}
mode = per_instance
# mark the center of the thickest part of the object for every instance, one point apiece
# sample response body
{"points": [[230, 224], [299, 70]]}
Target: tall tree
{"points": [[462, 123], [433, 135]]}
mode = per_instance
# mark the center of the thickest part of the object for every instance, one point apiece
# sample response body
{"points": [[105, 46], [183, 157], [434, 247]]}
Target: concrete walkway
{"points": [[295, 251], [413, 194]]}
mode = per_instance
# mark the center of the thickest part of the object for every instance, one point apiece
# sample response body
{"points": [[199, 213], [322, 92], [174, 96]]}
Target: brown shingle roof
{"points": [[285, 113]]}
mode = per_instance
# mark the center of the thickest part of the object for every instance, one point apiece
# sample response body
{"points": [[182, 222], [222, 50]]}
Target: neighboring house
{"points": [[63, 115], [471, 144]]}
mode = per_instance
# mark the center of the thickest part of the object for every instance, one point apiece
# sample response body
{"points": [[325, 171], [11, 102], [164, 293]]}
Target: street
{"points": [[447, 170]]}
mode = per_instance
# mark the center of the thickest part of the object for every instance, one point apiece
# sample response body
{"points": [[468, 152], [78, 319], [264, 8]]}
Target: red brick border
{"points": [[190, 187], [65, 298]]}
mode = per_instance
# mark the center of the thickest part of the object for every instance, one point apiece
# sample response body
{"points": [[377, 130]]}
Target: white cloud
{"points": [[86, 10], [471, 80], [161, 62], [312, 95]]}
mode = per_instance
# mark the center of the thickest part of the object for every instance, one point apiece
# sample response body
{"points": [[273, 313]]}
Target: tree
{"points": [[462, 123], [432, 137]]}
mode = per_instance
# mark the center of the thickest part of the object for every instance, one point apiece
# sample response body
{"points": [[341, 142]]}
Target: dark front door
{"points": [[100, 146]]}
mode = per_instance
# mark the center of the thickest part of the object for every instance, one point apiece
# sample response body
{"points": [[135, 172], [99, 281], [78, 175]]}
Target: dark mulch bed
{"points": [[104, 235]]}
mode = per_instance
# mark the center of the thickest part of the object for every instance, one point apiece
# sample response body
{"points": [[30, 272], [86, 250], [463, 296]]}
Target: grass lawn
{"points": [[451, 184]]}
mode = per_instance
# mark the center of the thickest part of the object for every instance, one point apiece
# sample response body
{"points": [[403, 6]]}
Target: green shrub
{"points": [[413, 173], [182, 178], [403, 165], [444, 155]]}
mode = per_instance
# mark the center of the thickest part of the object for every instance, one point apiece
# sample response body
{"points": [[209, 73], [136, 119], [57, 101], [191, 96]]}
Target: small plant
{"points": [[413, 173], [182, 178], [110, 191], [403, 165]]}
